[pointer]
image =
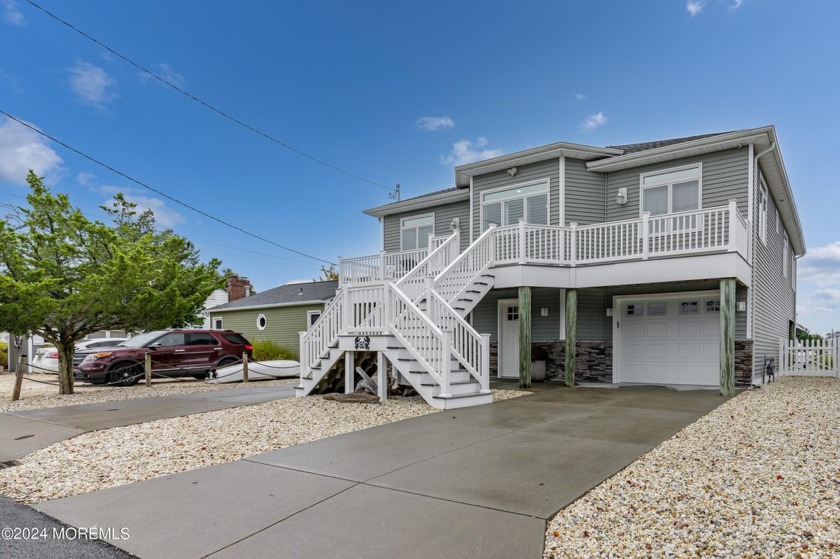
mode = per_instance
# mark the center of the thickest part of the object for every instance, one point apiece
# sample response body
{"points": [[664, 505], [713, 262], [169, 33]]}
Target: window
{"points": [[793, 273], [777, 221], [762, 213], [415, 231], [513, 313], [171, 340], [689, 307], [635, 310], [712, 306], [217, 324], [671, 191], [508, 205], [785, 255], [200, 338], [657, 309], [261, 322], [312, 317]]}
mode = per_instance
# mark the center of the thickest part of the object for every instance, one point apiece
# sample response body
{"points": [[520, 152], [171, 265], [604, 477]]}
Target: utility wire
{"points": [[205, 103], [160, 192]]}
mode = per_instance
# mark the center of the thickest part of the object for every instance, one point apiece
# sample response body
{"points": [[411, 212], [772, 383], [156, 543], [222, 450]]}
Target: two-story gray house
{"points": [[669, 262]]}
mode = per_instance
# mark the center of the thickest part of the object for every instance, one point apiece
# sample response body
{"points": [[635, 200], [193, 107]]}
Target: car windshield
{"points": [[142, 340]]}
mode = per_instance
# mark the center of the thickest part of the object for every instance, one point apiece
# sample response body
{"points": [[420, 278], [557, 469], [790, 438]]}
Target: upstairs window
{"points": [[507, 206], [785, 255], [762, 213], [415, 231], [671, 191]]}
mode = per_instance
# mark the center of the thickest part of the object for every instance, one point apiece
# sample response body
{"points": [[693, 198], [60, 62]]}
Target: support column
{"points": [[349, 372], [571, 335], [525, 337], [727, 337]]}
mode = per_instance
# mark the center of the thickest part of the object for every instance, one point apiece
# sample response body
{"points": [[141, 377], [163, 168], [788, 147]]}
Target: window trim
{"points": [[546, 182], [403, 228], [265, 322], [309, 321], [670, 185], [218, 320], [785, 254], [761, 202]]}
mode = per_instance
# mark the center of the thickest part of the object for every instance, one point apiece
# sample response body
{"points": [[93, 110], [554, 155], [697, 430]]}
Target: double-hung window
{"points": [[762, 212], [415, 231], [506, 206], [672, 191], [785, 255]]}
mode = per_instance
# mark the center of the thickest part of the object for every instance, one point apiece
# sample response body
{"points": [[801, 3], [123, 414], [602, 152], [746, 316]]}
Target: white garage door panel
{"points": [[670, 347]]}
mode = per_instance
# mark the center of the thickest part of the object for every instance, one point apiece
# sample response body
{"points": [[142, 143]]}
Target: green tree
{"points": [[64, 276], [328, 274]]}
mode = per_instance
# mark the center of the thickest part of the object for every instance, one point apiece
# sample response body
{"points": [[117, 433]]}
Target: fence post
{"points": [[523, 245], [430, 308], [21, 367], [244, 366], [386, 308], [382, 265], [485, 363], [445, 364], [573, 241], [645, 235], [304, 354], [147, 368], [781, 366]]}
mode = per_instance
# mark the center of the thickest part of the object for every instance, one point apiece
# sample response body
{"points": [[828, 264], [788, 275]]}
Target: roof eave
{"points": [[418, 203], [267, 306], [533, 155]]}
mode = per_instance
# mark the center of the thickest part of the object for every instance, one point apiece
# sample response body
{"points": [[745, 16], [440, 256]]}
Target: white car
{"points": [[46, 358]]}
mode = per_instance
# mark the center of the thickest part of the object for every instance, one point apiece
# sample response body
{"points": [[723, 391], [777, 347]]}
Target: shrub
{"points": [[266, 350], [4, 355]]}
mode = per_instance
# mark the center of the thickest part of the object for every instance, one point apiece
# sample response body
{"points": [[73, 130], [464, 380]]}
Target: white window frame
{"points": [[218, 321], [265, 320], [546, 182], [762, 212], [793, 273], [309, 315], [777, 221], [670, 184], [785, 254], [430, 216]]}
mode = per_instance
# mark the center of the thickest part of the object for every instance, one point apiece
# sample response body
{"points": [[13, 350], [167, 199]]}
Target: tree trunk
{"points": [[65, 367]]}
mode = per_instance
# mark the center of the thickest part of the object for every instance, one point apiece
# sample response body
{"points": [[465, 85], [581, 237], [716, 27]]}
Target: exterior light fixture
{"points": [[621, 198]]}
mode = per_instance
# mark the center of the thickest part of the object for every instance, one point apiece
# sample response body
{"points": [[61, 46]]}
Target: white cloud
{"points": [[92, 84], [435, 123], [580, 97], [84, 178], [593, 121], [818, 288], [164, 216], [22, 149], [11, 13], [821, 266], [694, 7], [166, 72], [735, 5], [465, 151]]}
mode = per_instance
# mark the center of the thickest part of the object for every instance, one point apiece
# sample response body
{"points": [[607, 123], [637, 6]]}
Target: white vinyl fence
{"points": [[808, 358]]}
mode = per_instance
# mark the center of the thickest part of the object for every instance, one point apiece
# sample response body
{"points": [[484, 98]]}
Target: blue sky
{"points": [[351, 84]]}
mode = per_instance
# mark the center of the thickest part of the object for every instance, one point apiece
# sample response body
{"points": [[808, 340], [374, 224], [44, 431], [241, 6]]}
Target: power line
{"points": [[205, 103], [160, 192]]}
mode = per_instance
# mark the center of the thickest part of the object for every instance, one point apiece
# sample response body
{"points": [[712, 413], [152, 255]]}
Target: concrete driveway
{"points": [[477, 482]]}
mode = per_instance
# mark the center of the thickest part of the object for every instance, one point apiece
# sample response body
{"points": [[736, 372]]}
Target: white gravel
{"points": [[122, 455], [757, 477], [36, 395]]}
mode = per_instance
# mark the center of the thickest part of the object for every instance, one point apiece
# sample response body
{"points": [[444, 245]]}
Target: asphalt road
{"points": [[26, 534]]}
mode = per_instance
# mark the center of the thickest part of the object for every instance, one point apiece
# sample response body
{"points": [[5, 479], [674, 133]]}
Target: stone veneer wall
{"points": [[743, 362], [593, 361]]}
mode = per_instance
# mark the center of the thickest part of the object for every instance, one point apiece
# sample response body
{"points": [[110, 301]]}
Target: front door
{"points": [[509, 338]]}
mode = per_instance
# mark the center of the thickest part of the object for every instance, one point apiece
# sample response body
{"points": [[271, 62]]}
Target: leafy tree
{"points": [[228, 273], [328, 274], [804, 335], [64, 276]]}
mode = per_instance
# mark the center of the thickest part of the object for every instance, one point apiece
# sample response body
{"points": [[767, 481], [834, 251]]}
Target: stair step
{"points": [[456, 388]]}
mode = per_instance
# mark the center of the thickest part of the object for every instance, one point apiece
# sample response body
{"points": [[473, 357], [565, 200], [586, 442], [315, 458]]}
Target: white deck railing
{"points": [[702, 231], [443, 252]]}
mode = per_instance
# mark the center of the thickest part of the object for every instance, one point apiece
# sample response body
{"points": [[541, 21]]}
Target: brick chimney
{"points": [[238, 288]]}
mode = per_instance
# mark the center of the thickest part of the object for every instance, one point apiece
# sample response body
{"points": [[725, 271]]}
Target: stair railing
{"points": [[413, 283], [316, 342], [458, 275], [471, 349]]}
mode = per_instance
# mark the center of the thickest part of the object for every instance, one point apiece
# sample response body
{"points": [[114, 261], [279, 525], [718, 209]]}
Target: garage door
{"points": [[669, 339]]}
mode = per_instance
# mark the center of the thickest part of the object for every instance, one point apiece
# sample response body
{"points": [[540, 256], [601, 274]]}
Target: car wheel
{"points": [[200, 376], [126, 374], [227, 361]]}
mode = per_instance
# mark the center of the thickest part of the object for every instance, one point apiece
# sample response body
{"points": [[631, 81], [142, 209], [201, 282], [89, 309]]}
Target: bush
{"points": [[4, 355], [266, 350]]}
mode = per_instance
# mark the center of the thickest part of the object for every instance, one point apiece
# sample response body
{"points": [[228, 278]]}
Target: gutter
{"points": [[268, 306]]}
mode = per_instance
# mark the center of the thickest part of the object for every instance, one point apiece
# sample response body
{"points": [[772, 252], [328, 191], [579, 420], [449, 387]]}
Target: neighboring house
{"points": [[669, 262], [218, 297], [279, 314]]}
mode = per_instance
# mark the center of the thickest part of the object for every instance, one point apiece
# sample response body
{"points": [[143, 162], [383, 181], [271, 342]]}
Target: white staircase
{"points": [[420, 331]]}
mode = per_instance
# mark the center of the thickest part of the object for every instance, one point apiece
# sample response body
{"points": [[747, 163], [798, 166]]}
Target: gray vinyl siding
{"points": [[444, 214], [526, 173], [543, 328], [725, 177], [584, 194], [592, 316], [774, 306], [283, 324]]}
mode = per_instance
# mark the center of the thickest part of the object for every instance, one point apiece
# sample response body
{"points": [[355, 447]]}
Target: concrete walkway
{"points": [[23, 432], [477, 482]]}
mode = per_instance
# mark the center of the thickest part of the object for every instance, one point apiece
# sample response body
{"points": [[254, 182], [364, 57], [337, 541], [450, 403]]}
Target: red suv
{"points": [[175, 353]]}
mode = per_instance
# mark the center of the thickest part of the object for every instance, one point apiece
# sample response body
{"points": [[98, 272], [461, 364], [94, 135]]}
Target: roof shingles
{"points": [[285, 295]]}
